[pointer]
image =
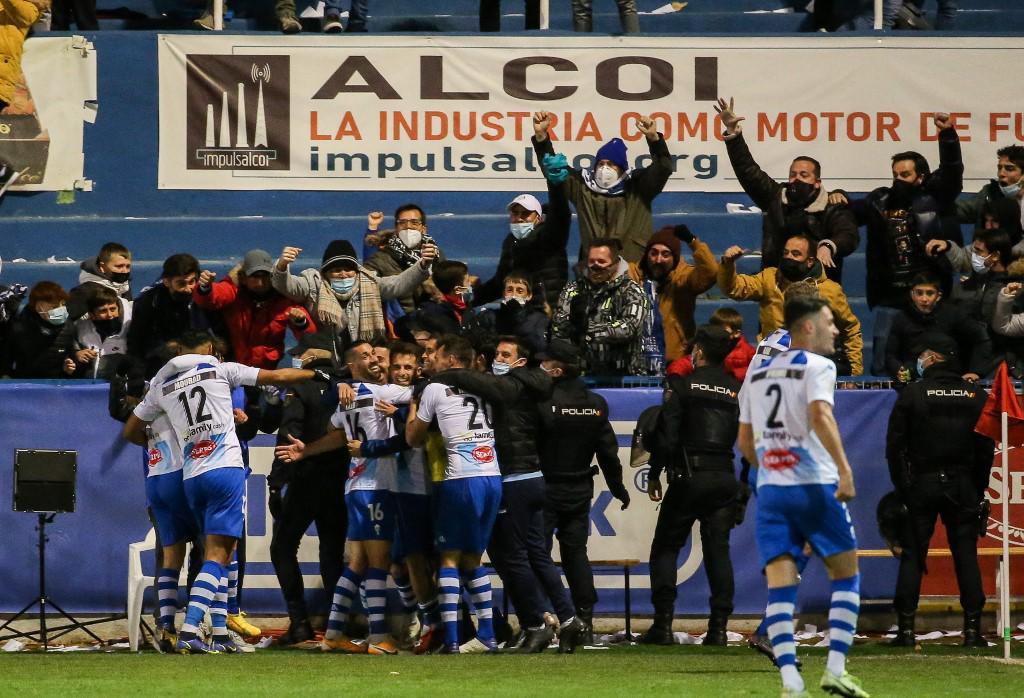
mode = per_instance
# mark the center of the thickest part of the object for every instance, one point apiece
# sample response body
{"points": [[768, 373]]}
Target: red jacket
{"points": [[255, 327], [736, 362]]}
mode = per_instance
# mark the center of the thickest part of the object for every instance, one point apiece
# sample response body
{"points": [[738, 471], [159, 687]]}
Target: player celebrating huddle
{"points": [[803, 484], [193, 390], [369, 500], [467, 499]]}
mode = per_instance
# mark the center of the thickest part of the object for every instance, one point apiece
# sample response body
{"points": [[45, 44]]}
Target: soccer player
{"points": [[413, 530], [369, 500], [193, 390], [804, 481], [467, 500], [175, 526]]}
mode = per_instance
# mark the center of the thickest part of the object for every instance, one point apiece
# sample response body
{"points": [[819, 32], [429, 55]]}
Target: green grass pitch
{"points": [[634, 672]]}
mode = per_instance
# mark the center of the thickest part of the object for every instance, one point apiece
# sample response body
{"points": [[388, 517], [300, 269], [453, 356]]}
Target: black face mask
{"points": [[119, 277], [108, 327], [901, 193], [792, 270], [800, 194], [181, 296]]}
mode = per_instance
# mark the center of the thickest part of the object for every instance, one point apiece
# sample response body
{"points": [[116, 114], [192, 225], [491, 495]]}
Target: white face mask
{"points": [[978, 263], [410, 238], [1011, 190], [520, 230], [606, 176]]}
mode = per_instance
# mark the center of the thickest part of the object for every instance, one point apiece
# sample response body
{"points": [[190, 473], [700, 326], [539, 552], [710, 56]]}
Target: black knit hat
{"points": [[338, 251]]}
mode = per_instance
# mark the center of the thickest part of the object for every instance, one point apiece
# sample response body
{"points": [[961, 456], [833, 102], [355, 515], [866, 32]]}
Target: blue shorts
{"points": [[788, 516], [371, 515], [414, 533], [216, 498], [165, 495], [465, 512]]}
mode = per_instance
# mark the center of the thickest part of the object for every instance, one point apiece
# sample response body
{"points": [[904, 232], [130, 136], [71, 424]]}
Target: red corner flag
{"points": [[1001, 399]]}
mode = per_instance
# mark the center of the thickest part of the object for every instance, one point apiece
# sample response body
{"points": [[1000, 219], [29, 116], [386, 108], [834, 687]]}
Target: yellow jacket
{"points": [[16, 18], [766, 288], [678, 298]]}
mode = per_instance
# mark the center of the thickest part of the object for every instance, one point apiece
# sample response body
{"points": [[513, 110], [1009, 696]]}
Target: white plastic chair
{"points": [[138, 583]]}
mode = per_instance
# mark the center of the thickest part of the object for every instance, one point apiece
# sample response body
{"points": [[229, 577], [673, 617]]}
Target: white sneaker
{"points": [[240, 642], [474, 646]]}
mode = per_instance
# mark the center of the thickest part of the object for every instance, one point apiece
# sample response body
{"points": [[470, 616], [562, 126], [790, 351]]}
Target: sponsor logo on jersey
{"points": [[202, 449], [155, 457], [780, 459], [483, 454]]}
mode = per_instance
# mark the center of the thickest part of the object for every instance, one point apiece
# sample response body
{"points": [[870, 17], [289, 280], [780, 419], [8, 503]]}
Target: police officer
{"points": [[694, 444], [940, 467], [310, 490], [575, 428]]}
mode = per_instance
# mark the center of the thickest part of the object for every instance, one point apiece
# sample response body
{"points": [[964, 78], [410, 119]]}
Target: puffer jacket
{"points": [[606, 322], [256, 326], [767, 288], [16, 18], [626, 217]]}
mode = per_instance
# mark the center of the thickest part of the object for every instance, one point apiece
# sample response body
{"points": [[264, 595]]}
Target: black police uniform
{"points": [[940, 467], [575, 427], [694, 443], [310, 490]]}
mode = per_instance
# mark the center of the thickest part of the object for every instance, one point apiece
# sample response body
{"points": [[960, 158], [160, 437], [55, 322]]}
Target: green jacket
{"points": [[626, 217]]}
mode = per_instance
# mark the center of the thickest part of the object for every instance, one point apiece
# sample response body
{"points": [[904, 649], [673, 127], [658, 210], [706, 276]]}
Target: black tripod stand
{"points": [[44, 635]]}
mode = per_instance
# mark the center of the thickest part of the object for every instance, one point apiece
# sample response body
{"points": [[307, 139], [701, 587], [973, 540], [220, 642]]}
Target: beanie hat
{"points": [[667, 237], [614, 151], [338, 251]]}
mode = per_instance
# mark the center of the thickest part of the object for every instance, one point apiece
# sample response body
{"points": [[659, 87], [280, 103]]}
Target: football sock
{"points": [[779, 618], [405, 593], [478, 583], [431, 613], [842, 621], [167, 596], [344, 593], [219, 610], [204, 589], [233, 586], [448, 583], [376, 588]]}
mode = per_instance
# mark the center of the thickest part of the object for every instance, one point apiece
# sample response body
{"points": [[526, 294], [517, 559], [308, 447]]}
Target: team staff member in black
{"points": [[940, 467], [694, 443], [310, 490], [575, 428]]}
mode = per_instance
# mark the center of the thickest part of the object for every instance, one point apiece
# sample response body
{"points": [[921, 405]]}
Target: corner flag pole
{"points": [[1004, 619]]}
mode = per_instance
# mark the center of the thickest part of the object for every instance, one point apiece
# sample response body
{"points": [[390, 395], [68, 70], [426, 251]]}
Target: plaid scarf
{"points": [[330, 312]]}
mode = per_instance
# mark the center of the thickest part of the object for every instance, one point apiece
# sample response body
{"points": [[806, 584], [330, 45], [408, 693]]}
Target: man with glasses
{"points": [[399, 249]]}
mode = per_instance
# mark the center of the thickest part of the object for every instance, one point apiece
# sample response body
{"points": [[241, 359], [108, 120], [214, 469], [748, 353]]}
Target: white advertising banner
{"points": [[452, 113], [41, 130]]}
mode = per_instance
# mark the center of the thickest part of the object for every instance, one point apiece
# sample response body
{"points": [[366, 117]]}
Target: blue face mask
{"points": [[58, 315], [520, 230], [343, 285], [296, 362], [500, 368], [920, 367]]}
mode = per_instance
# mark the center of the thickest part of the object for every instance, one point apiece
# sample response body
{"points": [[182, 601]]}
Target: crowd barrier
{"points": [[88, 549]]}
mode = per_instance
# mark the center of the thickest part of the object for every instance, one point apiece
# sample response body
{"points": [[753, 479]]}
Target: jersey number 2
{"points": [[200, 415], [773, 422]]}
